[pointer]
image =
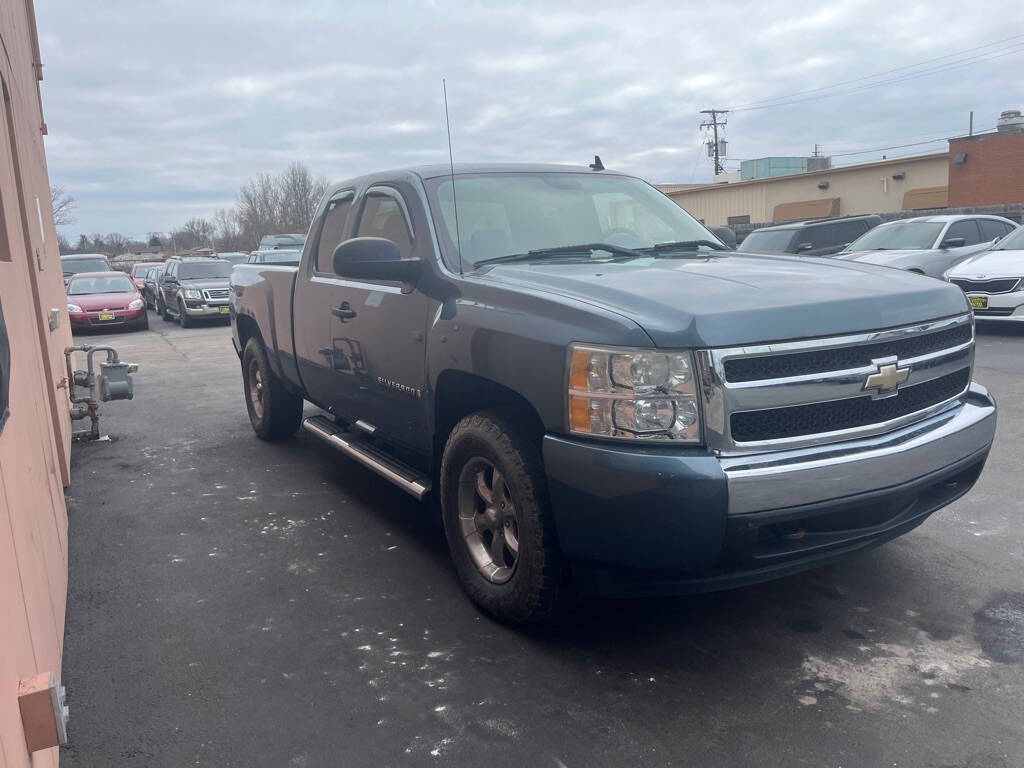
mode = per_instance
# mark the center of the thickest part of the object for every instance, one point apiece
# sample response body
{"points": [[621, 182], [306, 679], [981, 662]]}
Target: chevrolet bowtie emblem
{"points": [[887, 378]]}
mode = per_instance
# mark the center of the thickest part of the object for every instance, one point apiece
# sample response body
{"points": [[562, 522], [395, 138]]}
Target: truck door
{"points": [[375, 351], [318, 359]]}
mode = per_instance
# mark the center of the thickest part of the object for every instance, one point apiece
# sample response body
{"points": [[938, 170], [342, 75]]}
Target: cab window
{"points": [[382, 216], [333, 231]]}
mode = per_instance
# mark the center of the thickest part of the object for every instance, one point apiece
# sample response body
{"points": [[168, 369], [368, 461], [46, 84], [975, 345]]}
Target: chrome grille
{"points": [[793, 394], [216, 294], [999, 285]]}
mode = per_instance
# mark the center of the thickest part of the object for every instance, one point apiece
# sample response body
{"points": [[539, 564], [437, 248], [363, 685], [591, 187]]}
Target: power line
{"points": [[781, 101], [896, 146], [879, 74]]}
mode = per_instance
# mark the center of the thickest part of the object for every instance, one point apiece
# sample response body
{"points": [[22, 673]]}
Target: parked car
{"points": [[928, 245], [74, 263], [138, 273], [277, 256], [601, 395], [994, 280], [291, 242], [193, 287], [818, 237], [235, 257], [152, 283], [101, 299]]}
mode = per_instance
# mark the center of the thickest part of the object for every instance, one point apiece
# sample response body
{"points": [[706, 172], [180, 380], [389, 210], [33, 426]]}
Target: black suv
{"points": [[193, 287], [819, 237]]}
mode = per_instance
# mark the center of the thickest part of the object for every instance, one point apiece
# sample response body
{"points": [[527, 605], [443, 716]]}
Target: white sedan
{"points": [[994, 279]]}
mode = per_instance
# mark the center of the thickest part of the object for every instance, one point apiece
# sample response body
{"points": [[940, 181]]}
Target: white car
{"points": [[929, 245], [994, 279]]}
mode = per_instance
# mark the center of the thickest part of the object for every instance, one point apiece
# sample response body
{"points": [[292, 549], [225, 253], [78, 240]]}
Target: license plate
{"points": [[106, 316], [978, 302], [225, 310]]}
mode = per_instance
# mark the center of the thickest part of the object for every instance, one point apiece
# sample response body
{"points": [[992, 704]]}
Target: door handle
{"points": [[344, 312]]}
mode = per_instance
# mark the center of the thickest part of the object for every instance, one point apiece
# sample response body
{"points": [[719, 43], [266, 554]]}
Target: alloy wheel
{"points": [[488, 521], [256, 389]]}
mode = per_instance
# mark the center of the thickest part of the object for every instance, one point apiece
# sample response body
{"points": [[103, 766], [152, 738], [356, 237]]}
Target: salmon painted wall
{"points": [[35, 441]]}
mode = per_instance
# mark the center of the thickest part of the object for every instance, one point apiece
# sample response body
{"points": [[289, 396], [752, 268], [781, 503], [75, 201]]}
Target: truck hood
{"points": [[991, 264], [733, 298]]}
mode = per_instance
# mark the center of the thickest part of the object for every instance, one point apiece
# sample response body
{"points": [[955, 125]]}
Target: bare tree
{"points": [[83, 244], [156, 239], [63, 246], [299, 194], [227, 233], [259, 206], [63, 206], [115, 243]]}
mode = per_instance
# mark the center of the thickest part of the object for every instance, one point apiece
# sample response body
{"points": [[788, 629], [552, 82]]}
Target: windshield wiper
{"points": [[686, 245], [561, 250]]}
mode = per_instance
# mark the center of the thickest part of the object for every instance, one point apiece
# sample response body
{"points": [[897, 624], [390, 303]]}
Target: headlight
{"points": [[74, 307], [633, 394], [192, 293], [136, 304]]}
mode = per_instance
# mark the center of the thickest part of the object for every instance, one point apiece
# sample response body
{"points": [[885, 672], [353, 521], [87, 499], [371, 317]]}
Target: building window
{"points": [[734, 220]]}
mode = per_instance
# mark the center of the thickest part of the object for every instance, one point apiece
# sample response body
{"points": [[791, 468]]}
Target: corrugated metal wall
{"points": [[35, 441]]}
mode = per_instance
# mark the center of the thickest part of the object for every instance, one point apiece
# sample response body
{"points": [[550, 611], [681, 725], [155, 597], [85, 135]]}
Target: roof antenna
{"points": [[451, 165], [597, 165]]}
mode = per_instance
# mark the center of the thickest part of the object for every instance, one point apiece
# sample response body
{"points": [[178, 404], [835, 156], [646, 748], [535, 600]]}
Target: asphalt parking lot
{"points": [[238, 603]]}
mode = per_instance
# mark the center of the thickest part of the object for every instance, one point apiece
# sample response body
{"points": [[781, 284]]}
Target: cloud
{"points": [[161, 110]]}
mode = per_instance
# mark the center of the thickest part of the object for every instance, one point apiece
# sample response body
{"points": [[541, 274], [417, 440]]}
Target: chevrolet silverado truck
{"points": [[600, 398]]}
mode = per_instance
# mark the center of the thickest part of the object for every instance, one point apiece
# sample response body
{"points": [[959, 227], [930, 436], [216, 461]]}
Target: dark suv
{"points": [[193, 287], [819, 237]]}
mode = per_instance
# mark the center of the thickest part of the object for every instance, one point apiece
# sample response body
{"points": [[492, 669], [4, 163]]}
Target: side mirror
{"points": [[374, 258], [804, 247], [954, 242]]}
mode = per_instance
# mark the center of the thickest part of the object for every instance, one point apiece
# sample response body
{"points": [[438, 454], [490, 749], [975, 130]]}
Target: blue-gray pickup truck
{"points": [[597, 395]]}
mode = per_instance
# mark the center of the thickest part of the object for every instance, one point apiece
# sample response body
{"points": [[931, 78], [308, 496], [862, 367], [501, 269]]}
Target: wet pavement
{"points": [[239, 603]]}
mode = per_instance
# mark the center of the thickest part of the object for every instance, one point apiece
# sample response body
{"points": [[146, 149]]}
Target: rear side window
{"points": [[818, 237], [382, 217], [967, 229], [333, 231], [846, 232], [768, 240], [991, 229]]}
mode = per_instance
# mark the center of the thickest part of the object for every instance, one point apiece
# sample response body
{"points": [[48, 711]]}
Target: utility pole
{"points": [[714, 124], [816, 152]]}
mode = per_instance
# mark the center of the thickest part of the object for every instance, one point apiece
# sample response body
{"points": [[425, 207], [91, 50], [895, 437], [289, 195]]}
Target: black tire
{"points": [[279, 412], [162, 309], [144, 325], [183, 319], [538, 587]]}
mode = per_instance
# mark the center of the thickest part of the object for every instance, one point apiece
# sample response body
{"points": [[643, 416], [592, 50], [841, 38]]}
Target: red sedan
{"points": [[99, 299], [138, 273]]}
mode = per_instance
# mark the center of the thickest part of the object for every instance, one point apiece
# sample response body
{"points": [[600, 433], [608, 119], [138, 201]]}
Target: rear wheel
{"points": [[498, 522], [275, 413]]}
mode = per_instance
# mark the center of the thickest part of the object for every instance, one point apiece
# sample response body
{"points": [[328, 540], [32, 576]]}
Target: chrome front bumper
{"points": [[786, 479]]}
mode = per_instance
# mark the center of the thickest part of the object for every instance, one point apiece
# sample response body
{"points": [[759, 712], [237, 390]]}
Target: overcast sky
{"points": [[160, 110]]}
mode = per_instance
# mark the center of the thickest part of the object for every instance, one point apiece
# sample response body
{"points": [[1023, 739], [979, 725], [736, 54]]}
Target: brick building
{"points": [[986, 169]]}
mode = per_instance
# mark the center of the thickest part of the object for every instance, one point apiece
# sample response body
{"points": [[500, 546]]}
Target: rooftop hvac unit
{"points": [[1010, 121]]}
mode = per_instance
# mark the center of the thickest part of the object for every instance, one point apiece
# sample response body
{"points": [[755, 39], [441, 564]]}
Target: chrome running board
{"points": [[355, 447]]}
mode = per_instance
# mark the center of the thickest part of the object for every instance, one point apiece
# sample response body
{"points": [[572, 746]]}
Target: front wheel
{"points": [[497, 520], [183, 318], [162, 309], [275, 413]]}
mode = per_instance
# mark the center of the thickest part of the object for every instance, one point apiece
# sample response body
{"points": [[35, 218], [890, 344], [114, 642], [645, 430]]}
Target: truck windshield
{"points": [[204, 270], [512, 213], [911, 235], [774, 241]]}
